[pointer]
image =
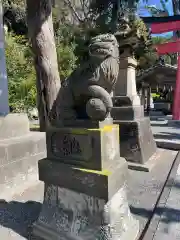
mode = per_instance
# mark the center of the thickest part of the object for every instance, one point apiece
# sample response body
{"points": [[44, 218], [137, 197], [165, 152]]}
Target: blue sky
{"points": [[143, 12]]}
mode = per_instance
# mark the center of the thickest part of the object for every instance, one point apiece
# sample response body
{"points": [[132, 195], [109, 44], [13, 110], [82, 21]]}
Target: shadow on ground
{"points": [[158, 125], [167, 214], [19, 216], [166, 135], [176, 183]]}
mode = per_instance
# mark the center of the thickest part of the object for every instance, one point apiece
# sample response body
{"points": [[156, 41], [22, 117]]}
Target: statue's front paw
{"points": [[96, 109]]}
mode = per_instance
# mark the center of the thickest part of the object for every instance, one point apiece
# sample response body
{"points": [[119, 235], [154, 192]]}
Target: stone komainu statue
{"points": [[85, 94]]}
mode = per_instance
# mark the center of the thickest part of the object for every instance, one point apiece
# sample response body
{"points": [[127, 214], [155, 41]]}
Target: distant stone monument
{"points": [[84, 175], [137, 145]]}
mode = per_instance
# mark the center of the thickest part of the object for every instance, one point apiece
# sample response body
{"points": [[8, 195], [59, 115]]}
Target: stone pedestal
{"points": [[85, 186], [137, 146], [124, 110], [126, 84], [20, 151]]}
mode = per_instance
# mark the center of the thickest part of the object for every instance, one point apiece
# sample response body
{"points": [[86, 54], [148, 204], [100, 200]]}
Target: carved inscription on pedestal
{"points": [[71, 146]]}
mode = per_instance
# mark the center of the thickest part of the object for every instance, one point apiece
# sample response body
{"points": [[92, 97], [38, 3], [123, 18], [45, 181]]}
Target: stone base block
{"points": [[156, 114], [174, 123], [19, 158], [93, 148], [137, 144], [158, 156], [121, 101], [163, 106], [86, 205], [127, 113], [13, 125]]}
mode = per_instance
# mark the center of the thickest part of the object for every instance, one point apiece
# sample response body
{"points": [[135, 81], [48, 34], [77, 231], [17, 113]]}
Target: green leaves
{"points": [[148, 59], [21, 74]]}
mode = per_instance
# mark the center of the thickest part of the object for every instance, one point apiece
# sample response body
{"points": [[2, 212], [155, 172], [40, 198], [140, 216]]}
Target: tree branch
{"points": [[68, 2]]}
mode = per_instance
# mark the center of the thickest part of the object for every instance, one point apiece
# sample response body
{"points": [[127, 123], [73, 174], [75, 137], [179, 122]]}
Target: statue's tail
{"points": [[100, 104]]}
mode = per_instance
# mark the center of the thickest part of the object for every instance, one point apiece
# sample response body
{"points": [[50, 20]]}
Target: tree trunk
{"points": [[41, 34]]}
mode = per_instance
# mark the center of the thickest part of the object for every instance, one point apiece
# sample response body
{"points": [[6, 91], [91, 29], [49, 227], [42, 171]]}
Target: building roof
{"points": [[158, 74]]}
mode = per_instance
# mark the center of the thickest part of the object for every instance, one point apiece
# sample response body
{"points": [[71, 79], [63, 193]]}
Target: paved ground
{"points": [[19, 213], [166, 136], [169, 224], [20, 210], [166, 219], [144, 190]]}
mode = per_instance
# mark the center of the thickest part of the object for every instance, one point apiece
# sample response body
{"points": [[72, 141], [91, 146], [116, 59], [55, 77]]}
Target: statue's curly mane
{"points": [[104, 72], [110, 69], [86, 92]]}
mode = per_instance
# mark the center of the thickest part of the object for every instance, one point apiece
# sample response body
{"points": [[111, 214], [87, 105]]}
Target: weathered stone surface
{"points": [[123, 101], [85, 123], [20, 150], [127, 113], [94, 148], [13, 125], [19, 157], [88, 203], [158, 156], [86, 93], [162, 106], [102, 184], [96, 208], [157, 115], [126, 84], [79, 201], [14, 149], [137, 144]]}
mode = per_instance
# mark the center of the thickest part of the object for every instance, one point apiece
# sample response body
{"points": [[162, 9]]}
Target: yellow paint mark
{"points": [[80, 131], [104, 172], [107, 128]]}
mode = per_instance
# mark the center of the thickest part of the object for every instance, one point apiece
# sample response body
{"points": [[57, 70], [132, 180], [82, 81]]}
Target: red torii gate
{"points": [[171, 47]]}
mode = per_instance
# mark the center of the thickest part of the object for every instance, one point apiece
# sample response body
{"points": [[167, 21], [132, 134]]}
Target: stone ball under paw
{"points": [[96, 109]]}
